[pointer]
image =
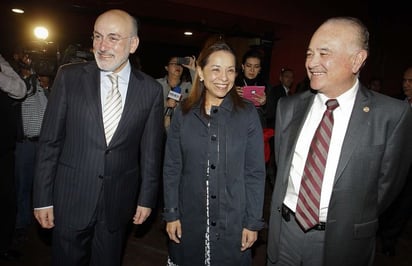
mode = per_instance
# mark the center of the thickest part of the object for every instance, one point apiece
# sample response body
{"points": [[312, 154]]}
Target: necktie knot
{"points": [[331, 104], [113, 79]]}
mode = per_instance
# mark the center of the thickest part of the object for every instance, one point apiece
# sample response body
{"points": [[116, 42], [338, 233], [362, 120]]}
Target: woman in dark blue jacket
{"points": [[214, 170]]}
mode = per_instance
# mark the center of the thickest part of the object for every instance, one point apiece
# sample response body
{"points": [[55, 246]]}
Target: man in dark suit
{"points": [[363, 168], [283, 89], [393, 221], [88, 185]]}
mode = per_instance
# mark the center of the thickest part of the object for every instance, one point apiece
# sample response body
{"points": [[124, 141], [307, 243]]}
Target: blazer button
{"points": [[213, 223], [213, 196], [107, 151], [101, 177], [213, 166], [214, 111], [213, 137]]}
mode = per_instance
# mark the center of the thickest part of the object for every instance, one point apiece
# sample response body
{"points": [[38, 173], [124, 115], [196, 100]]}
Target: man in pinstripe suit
{"points": [[86, 189]]}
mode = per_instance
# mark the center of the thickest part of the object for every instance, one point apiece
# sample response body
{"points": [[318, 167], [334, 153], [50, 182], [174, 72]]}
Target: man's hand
{"points": [[141, 214], [174, 230], [45, 217]]}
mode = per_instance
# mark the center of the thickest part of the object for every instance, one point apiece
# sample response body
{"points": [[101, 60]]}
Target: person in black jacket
{"points": [[11, 87], [286, 77], [251, 75]]}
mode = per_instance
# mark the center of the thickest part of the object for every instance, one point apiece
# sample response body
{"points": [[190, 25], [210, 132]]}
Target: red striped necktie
{"points": [[307, 209]]}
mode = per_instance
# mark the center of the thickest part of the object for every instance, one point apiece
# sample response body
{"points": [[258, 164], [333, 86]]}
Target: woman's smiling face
{"points": [[219, 75]]}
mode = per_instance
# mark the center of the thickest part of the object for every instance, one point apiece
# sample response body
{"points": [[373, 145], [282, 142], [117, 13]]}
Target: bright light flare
{"points": [[41, 33]]}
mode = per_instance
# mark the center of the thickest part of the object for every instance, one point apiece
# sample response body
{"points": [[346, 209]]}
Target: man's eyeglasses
{"points": [[112, 39]]}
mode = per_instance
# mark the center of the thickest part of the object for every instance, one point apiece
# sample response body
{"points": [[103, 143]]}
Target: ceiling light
{"points": [[17, 10], [188, 33]]}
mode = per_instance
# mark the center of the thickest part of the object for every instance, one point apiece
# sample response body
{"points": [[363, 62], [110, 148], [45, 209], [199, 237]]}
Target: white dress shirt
{"points": [[123, 82], [341, 116]]}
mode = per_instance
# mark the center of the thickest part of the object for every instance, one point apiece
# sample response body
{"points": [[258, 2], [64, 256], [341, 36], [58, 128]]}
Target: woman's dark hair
{"points": [[252, 53], [198, 89]]}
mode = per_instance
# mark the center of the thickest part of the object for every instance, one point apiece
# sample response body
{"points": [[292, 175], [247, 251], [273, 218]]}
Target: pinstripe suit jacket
{"points": [[74, 164], [376, 154]]}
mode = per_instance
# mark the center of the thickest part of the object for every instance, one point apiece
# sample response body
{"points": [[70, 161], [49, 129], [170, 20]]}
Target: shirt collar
{"points": [[345, 100], [123, 75]]}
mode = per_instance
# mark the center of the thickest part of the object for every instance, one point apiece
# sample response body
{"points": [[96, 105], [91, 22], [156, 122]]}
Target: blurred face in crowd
{"points": [[114, 38], [375, 85], [334, 57], [251, 68], [286, 78], [44, 81], [218, 75], [407, 83], [174, 69]]}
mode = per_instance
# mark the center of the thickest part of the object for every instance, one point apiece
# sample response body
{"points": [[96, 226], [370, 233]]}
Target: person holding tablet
{"points": [[251, 76]]}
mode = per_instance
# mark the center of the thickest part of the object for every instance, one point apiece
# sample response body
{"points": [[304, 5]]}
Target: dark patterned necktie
{"points": [[307, 209]]}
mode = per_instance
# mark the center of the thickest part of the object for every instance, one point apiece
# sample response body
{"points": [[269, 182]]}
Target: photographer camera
{"points": [[175, 86], [26, 72]]}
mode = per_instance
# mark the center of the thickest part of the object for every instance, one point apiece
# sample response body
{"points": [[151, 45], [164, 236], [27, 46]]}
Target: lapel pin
{"points": [[366, 109]]}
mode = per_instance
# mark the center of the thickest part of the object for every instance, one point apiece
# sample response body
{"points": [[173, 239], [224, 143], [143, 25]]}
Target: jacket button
{"points": [[106, 151], [213, 137], [213, 196], [214, 111], [213, 223], [213, 166], [101, 177]]}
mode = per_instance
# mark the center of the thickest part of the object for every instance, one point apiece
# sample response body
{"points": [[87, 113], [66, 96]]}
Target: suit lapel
{"points": [[132, 99], [92, 93], [357, 125], [296, 117]]}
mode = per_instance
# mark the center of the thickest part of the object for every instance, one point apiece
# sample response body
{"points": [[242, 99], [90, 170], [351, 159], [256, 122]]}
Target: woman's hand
{"points": [[174, 230], [192, 63], [239, 91], [171, 103], [248, 238], [261, 99]]}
